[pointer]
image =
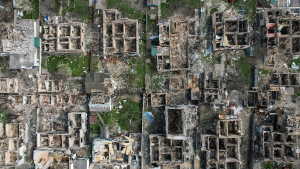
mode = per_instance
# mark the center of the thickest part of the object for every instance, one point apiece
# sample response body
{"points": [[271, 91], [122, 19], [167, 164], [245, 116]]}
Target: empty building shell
{"points": [[164, 151], [179, 120], [120, 35], [229, 128], [285, 79], [158, 99], [264, 99], [77, 129], [211, 81], [53, 141], [278, 136], [64, 38], [229, 33], [174, 38], [221, 152], [177, 83]]}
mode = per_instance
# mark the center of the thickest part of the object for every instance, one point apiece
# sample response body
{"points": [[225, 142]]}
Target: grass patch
{"points": [[95, 65], [213, 10], [138, 78], [70, 8], [194, 3], [112, 3], [127, 9], [143, 46], [3, 117], [268, 165], [248, 6], [96, 128], [296, 94], [296, 61], [165, 12], [155, 83], [149, 23], [34, 12], [4, 64], [150, 68], [130, 111], [246, 73], [78, 63], [57, 5], [81, 8], [265, 72], [202, 3]]}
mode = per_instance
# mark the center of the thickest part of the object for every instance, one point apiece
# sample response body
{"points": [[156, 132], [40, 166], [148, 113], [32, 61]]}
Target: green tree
{"points": [[64, 69]]}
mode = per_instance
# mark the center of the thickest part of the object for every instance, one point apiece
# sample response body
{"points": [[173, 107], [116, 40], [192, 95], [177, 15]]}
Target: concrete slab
{"points": [[101, 4]]}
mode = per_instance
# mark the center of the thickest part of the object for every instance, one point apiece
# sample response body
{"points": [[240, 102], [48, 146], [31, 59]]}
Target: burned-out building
{"points": [[223, 149], [120, 35], [285, 79], [120, 151], [176, 39], [229, 33], [175, 146], [276, 135], [21, 43], [281, 26], [164, 151], [64, 38], [158, 99], [212, 89], [266, 99]]}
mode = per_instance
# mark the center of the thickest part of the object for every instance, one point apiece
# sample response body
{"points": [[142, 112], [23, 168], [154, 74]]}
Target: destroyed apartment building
{"points": [[13, 140], [120, 35], [230, 33], [212, 89], [21, 44], [282, 32], [276, 136], [180, 89], [223, 149], [64, 37], [175, 148], [58, 142], [176, 39], [265, 100], [116, 152], [284, 79], [275, 92]]}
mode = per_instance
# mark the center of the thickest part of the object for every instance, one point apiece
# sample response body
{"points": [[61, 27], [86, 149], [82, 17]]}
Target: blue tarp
{"points": [[46, 18], [149, 117]]}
